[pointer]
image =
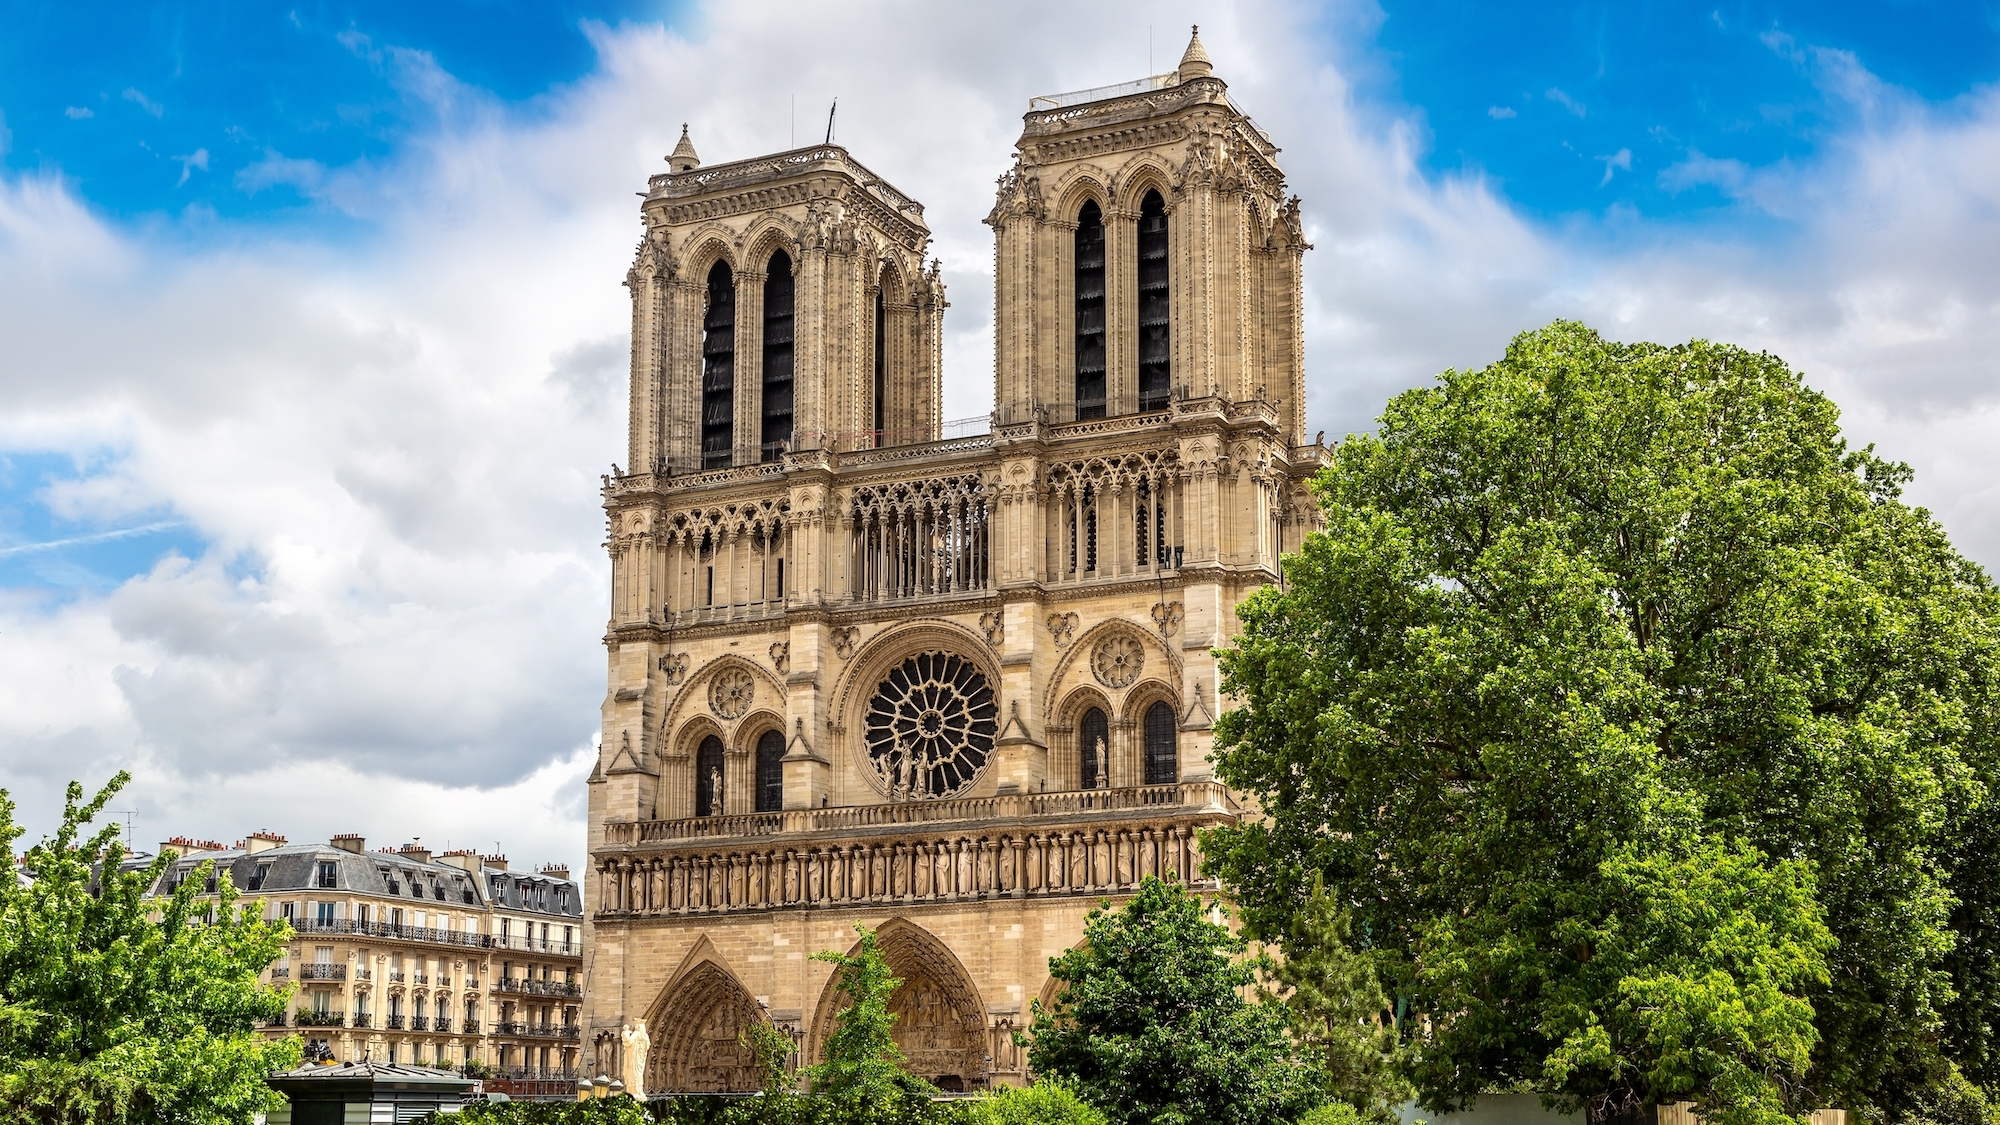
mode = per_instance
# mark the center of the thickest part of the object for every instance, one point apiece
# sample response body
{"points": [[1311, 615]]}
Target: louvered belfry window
{"points": [[718, 370], [1089, 313], [777, 432], [1155, 344], [881, 366]]}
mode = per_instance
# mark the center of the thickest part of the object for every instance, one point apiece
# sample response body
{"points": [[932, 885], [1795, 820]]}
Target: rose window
{"points": [[730, 695], [1117, 661], [930, 726]]}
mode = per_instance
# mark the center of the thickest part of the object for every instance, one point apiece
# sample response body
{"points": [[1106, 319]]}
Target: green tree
{"points": [[1338, 1008], [1050, 1101], [119, 1008], [1616, 684], [1153, 1026], [862, 1065]]}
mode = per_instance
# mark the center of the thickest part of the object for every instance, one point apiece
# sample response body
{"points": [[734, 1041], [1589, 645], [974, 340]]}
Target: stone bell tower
{"points": [[953, 680]]}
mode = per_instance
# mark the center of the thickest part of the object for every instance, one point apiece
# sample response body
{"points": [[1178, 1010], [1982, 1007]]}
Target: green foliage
{"points": [[1337, 1008], [119, 1009], [1153, 1027], [862, 1063], [1645, 730], [770, 1048], [596, 1111], [1050, 1101]]}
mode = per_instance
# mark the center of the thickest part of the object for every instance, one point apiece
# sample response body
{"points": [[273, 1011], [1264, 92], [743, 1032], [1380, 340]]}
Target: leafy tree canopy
{"points": [[117, 1008], [1647, 733], [1153, 1027]]}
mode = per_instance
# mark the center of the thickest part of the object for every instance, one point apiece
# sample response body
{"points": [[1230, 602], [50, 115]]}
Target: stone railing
{"points": [[1089, 842]]}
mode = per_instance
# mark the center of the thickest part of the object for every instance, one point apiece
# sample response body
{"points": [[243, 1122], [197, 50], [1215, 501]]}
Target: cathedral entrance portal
{"points": [[940, 1022], [698, 1026]]}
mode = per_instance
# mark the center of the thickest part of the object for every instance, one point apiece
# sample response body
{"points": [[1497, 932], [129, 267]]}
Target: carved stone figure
{"points": [[637, 1043]]}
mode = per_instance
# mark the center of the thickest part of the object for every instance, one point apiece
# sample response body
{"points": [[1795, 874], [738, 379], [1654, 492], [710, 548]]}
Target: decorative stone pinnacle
{"points": [[683, 158], [1194, 63]]}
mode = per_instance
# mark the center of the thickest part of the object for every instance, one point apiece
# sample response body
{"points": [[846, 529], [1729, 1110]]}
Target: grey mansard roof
{"points": [[290, 868]]}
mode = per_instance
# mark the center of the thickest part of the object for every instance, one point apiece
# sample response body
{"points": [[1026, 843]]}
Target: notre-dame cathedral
{"points": [[951, 680]]}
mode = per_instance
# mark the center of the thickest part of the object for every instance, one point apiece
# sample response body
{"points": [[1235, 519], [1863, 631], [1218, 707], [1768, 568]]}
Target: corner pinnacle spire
{"points": [[683, 157], [1194, 63]]}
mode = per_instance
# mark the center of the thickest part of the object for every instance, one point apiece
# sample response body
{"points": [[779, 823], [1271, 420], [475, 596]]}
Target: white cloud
{"points": [[1564, 100], [1500, 112], [1620, 161], [78, 112], [392, 445], [139, 99], [197, 159]]}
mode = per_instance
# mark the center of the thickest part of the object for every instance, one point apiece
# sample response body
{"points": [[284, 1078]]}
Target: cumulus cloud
{"points": [[137, 97], [78, 112], [390, 446]]}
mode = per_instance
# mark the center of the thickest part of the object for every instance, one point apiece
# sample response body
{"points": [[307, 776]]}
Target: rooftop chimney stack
{"points": [[350, 842], [262, 840]]}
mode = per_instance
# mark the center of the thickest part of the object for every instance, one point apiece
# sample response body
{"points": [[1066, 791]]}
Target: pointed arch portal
{"points": [[940, 1022]]}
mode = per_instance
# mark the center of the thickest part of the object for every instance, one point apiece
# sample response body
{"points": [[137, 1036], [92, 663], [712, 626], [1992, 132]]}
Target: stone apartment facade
{"points": [[953, 681], [406, 957]]}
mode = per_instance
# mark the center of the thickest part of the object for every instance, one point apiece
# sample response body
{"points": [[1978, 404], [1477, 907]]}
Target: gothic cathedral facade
{"points": [[957, 686]]}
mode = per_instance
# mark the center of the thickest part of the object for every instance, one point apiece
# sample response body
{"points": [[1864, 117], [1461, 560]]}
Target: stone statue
{"points": [[637, 1043], [714, 801]]}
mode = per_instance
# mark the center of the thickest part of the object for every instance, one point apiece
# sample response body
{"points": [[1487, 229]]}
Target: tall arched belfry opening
{"points": [[953, 680]]}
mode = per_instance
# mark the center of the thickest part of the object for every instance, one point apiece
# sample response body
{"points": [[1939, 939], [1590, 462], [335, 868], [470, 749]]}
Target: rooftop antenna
{"points": [[128, 814], [829, 120]]}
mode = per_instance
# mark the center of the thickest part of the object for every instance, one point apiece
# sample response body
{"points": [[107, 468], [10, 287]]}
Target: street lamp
{"points": [[602, 1083]]}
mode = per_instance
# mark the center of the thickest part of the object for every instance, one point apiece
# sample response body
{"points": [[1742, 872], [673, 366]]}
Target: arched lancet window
{"points": [[1089, 312], [1162, 756], [777, 432], [771, 771], [881, 362], [1156, 377], [1093, 747], [718, 370], [708, 777], [1149, 531]]}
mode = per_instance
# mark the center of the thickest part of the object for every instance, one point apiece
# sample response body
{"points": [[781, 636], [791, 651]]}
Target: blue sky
{"points": [[176, 106], [315, 333]]}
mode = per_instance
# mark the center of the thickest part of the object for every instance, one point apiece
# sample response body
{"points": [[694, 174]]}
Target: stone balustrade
{"points": [[1087, 842]]}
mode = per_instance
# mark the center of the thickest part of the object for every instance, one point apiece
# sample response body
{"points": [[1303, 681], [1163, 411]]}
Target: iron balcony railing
{"points": [[317, 971], [393, 1023], [309, 1018], [471, 1026], [420, 1023], [442, 1023], [361, 1019], [537, 987], [345, 926]]}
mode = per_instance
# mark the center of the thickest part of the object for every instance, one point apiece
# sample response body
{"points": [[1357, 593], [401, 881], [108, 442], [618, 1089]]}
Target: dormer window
{"points": [[257, 877], [328, 877]]}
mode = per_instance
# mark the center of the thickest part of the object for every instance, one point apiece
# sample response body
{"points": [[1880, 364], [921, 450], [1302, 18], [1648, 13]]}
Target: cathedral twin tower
{"points": [[956, 686]]}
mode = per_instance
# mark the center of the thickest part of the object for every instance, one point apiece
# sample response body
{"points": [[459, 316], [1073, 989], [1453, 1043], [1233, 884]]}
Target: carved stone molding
{"points": [[1062, 626], [994, 625], [675, 667], [844, 641], [781, 656]]}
